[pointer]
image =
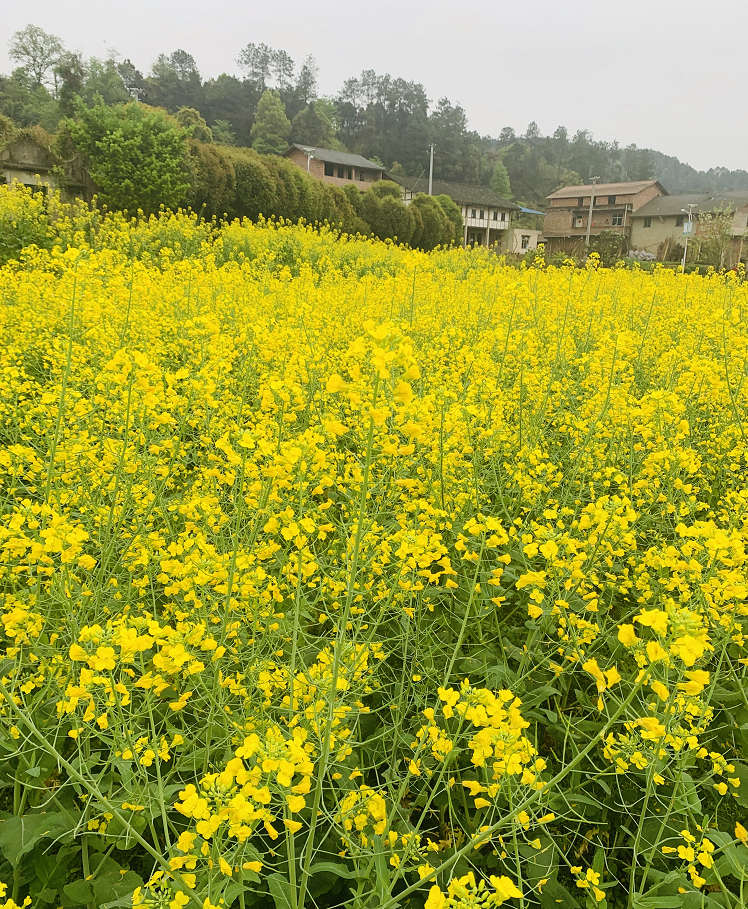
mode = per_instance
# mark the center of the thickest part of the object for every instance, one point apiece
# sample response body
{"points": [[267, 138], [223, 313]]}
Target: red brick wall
{"points": [[317, 169], [646, 195], [557, 221]]}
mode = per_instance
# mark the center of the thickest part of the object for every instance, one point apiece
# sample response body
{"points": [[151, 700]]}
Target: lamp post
{"points": [[589, 216], [431, 168], [308, 151], [687, 232]]}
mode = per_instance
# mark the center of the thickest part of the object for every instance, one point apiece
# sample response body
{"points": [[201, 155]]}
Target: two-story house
{"points": [[661, 226], [565, 224], [335, 167], [486, 217]]}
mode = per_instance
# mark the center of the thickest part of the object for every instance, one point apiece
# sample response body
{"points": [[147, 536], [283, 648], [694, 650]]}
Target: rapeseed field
{"points": [[338, 574]]}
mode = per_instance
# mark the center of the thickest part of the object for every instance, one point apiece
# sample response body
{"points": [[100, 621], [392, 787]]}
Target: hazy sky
{"points": [[668, 74]]}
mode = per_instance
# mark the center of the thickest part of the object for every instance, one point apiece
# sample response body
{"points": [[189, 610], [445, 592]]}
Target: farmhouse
{"points": [[565, 224], [661, 225], [486, 216], [27, 161], [339, 168]]}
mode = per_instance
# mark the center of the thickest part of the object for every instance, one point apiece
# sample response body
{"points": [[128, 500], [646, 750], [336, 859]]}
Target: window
{"points": [[362, 176], [496, 216], [647, 222], [349, 173], [525, 241], [503, 216], [329, 170], [618, 219], [581, 201], [481, 214], [341, 173], [679, 220], [611, 200], [472, 213]]}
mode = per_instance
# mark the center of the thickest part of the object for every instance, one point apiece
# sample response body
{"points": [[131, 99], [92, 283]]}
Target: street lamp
{"points": [[308, 151], [589, 216], [687, 228]]}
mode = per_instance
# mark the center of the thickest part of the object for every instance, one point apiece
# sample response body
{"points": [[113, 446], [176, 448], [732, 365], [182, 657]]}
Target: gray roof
{"points": [[468, 193], [604, 189], [336, 157], [671, 206]]}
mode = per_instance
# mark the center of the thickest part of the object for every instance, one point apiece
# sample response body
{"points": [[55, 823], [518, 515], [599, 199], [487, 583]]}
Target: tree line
{"points": [[389, 120]]}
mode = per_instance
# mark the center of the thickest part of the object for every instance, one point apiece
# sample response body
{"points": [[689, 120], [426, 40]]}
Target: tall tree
{"points": [[272, 127], [500, 180], [306, 82], [311, 127], [37, 52], [174, 82], [256, 61], [70, 70], [283, 68]]}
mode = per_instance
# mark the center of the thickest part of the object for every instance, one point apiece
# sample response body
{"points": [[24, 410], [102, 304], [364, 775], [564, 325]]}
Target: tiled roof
{"points": [[669, 206], [336, 157], [467, 193], [605, 189]]}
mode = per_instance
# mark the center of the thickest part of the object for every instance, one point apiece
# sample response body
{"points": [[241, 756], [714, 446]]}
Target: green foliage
{"points": [[610, 246], [8, 130], [272, 127], [104, 82], [27, 103], [500, 180], [135, 154], [452, 211], [436, 227], [255, 191], [36, 52], [311, 127], [212, 180], [194, 125], [715, 234], [387, 216], [222, 133], [383, 188]]}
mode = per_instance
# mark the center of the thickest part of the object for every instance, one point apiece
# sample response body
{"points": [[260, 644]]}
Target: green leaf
{"points": [[19, 835], [556, 896], [280, 890], [741, 795], [657, 902], [114, 885], [79, 891], [333, 868]]}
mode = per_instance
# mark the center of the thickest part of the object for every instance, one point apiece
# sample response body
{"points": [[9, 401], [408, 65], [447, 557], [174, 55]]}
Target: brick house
{"points": [[565, 225], [659, 226], [486, 217], [339, 168]]}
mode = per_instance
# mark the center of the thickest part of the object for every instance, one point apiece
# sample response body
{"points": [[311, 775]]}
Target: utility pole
{"points": [[687, 233], [431, 169], [589, 216]]}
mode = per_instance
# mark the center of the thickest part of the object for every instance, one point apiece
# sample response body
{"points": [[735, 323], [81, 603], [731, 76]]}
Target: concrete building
{"points": [[27, 161], [660, 226], [339, 168], [565, 224], [522, 239], [486, 217]]}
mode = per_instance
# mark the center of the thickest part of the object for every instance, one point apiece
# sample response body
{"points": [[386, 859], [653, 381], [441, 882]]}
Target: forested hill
{"points": [[682, 178], [389, 119]]}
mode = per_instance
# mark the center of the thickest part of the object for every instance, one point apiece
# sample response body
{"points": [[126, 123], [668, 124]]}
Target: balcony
{"points": [[486, 222]]}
